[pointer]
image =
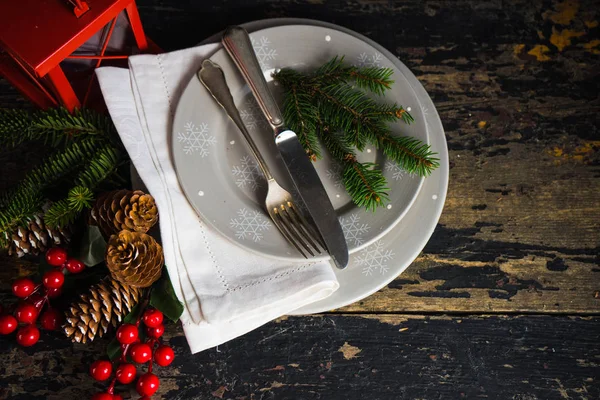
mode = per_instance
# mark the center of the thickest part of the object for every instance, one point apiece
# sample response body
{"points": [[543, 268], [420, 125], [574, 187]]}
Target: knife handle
{"points": [[237, 43]]}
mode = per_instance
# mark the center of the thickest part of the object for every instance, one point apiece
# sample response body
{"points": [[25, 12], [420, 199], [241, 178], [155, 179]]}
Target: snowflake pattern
{"points": [[196, 139], [252, 115], [424, 110], [335, 174], [397, 172], [365, 60], [247, 174], [353, 229], [264, 53], [250, 225], [375, 258]]}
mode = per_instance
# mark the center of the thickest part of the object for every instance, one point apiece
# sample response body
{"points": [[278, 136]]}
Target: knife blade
{"points": [[301, 170]]}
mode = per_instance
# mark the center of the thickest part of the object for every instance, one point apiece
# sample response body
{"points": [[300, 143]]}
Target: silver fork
{"points": [[278, 203]]}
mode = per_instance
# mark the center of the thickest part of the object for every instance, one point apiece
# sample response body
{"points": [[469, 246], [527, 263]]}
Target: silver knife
{"points": [[308, 185]]}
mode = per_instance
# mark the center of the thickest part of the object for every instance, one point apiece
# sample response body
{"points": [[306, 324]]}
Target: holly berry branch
{"points": [[36, 296], [138, 351]]}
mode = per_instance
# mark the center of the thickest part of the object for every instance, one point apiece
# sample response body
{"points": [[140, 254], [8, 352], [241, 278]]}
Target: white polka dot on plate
{"points": [[232, 142], [201, 193], [434, 197], [389, 207], [328, 38]]}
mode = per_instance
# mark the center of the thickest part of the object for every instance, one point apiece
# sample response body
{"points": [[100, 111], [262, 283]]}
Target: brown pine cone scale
{"points": [[124, 209], [134, 258]]}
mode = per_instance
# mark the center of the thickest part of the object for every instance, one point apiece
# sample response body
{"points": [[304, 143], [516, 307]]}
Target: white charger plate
{"points": [[380, 263], [220, 177]]}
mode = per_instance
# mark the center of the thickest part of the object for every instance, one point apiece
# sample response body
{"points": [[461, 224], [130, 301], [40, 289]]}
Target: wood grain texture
{"points": [[347, 357], [516, 86]]}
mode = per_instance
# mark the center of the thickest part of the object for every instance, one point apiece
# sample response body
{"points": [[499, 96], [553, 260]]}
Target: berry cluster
{"points": [[134, 350], [34, 297]]}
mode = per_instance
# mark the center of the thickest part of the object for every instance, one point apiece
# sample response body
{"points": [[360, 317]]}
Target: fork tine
{"points": [[287, 220], [310, 233], [278, 220]]}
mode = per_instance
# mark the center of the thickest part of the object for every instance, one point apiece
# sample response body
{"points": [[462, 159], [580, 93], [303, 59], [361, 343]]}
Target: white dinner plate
{"points": [[222, 180]]}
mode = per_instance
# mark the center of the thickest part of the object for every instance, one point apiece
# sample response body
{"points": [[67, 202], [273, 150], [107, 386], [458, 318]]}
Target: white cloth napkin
{"points": [[227, 291]]}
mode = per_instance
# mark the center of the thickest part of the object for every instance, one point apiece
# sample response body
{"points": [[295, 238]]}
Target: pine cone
{"points": [[134, 258], [124, 209], [36, 238], [107, 303]]}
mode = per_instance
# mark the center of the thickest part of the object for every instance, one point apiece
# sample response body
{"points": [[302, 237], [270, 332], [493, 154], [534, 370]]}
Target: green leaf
{"points": [[114, 347], [113, 350], [92, 248], [163, 298]]}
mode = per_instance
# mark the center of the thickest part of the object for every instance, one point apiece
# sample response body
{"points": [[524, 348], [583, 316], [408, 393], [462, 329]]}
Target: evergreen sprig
{"points": [[85, 150], [332, 105], [53, 127]]}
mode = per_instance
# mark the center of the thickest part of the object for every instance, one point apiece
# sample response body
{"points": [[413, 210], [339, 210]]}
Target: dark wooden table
{"points": [[504, 301]]}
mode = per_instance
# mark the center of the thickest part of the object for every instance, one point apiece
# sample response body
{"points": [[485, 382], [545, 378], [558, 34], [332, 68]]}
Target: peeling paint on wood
{"points": [[516, 86]]}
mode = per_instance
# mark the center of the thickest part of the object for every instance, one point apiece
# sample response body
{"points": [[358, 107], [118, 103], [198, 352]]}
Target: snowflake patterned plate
{"points": [[225, 186]]}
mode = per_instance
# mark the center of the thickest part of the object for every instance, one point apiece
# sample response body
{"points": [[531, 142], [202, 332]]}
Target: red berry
{"points": [[102, 396], [127, 333], [155, 332], [164, 355], [8, 324], [153, 318], [26, 313], [147, 385], [141, 353], [117, 397], [74, 266], [28, 335], [53, 279], [101, 370], [53, 292], [126, 373], [23, 287], [56, 256], [51, 319]]}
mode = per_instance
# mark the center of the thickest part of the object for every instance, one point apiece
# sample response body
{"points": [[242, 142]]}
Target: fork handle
{"points": [[237, 43], [213, 78]]}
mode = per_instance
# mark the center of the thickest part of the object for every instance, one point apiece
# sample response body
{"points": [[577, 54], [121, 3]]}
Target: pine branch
{"points": [[364, 182], [18, 212], [335, 92], [54, 127], [376, 80], [409, 153], [300, 113], [58, 165], [103, 164]]}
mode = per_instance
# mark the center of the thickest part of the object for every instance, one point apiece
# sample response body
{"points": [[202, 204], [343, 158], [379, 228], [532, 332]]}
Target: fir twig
{"points": [[330, 101], [364, 182], [53, 127]]}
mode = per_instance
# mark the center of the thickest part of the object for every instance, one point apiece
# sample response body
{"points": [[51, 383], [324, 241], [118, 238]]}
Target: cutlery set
{"points": [[279, 204]]}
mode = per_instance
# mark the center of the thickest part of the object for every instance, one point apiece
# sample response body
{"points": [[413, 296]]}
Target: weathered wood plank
{"points": [[347, 357], [520, 227]]}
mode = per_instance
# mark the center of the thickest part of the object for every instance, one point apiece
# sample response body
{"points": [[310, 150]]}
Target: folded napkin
{"points": [[227, 291]]}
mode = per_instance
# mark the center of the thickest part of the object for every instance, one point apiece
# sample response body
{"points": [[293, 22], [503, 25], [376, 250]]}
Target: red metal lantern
{"points": [[38, 36]]}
